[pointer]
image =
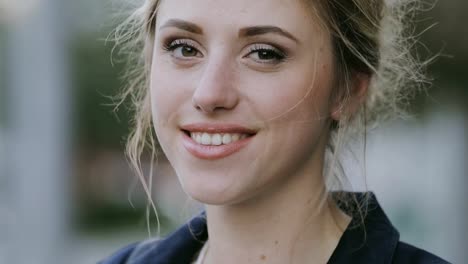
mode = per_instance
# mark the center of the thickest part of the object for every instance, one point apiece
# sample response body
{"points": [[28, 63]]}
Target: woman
{"points": [[251, 102]]}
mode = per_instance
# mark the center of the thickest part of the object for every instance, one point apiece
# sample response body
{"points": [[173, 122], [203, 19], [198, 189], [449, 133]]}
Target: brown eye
{"points": [[266, 54], [182, 48], [188, 51]]}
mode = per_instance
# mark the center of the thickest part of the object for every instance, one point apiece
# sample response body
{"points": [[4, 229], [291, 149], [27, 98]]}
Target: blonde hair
{"points": [[370, 37]]}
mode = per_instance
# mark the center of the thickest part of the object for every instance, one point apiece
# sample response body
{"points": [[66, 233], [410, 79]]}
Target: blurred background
{"points": [[67, 194]]}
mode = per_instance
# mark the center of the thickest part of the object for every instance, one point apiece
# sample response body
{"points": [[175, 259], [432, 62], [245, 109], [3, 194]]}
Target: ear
{"points": [[348, 105]]}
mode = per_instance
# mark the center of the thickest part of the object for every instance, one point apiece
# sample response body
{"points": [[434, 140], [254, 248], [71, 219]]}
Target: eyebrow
{"points": [[183, 25], [261, 30], [243, 32]]}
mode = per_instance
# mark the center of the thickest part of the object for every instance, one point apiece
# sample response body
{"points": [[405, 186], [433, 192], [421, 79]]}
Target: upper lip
{"points": [[218, 128]]}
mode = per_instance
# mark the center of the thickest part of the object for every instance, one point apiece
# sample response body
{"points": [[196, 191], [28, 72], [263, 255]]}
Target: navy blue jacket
{"points": [[381, 245]]}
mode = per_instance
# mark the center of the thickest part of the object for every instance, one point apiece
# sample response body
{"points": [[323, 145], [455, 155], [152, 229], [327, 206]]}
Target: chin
{"points": [[212, 192], [209, 197]]}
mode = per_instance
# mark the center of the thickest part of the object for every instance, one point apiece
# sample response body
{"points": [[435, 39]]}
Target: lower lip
{"points": [[213, 152]]}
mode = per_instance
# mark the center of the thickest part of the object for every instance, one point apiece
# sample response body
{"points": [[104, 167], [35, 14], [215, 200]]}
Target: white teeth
{"points": [[216, 139], [227, 139], [205, 139]]}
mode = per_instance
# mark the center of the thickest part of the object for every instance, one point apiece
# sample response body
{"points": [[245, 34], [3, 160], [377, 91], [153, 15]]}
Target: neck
{"points": [[294, 225]]}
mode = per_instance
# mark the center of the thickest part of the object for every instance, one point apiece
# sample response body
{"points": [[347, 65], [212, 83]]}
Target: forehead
{"points": [[293, 15]]}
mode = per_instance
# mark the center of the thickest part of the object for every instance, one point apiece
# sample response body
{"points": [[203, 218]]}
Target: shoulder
{"points": [[131, 254], [376, 240], [181, 246], [405, 253]]}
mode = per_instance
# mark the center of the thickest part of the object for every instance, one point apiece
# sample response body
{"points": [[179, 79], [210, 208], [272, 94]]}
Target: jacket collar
{"points": [[375, 241]]}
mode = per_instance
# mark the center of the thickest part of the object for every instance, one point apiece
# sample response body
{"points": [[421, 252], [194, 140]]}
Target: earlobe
{"points": [[351, 101]]}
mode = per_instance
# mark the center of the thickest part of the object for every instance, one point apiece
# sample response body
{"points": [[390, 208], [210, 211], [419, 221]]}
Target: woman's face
{"points": [[240, 95]]}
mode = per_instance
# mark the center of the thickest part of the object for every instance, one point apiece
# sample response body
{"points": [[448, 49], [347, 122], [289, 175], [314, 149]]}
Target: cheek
{"points": [[296, 111], [290, 96], [169, 93]]}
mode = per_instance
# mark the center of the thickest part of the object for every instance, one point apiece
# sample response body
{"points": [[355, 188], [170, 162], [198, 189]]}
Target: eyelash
{"points": [[173, 44], [278, 55]]}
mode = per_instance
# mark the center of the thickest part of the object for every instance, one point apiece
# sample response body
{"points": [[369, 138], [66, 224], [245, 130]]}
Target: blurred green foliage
{"points": [[443, 34], [107, 217], [99, 127], [96, 81]]}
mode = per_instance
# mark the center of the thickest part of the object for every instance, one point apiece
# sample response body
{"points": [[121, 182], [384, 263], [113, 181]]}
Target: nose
{"points": [[216, 89]]}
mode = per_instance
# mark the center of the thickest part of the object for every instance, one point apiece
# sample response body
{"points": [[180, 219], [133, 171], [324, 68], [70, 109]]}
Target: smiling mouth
{"points": [[216, 139], [209, 142]]}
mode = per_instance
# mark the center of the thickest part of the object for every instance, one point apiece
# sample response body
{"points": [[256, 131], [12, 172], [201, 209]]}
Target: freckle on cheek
{"points": [[263, 257]]}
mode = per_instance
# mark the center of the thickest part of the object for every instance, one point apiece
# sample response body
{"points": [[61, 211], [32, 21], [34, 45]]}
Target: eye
{"points": [[182, 48], [267, 54]]}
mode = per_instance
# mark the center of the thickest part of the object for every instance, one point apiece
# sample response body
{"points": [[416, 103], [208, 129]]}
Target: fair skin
{"points": [[265, 66]]}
